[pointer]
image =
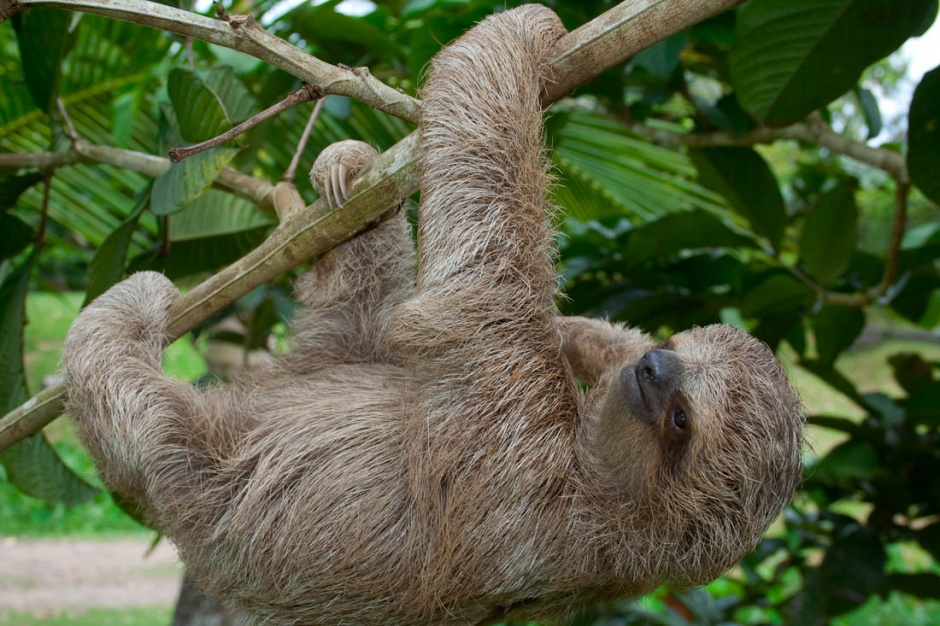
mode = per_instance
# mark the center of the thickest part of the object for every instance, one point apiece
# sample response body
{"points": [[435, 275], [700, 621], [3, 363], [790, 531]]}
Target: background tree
{"points": [[737, 170]]}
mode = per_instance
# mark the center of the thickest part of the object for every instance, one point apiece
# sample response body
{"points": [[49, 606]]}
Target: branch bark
{"points": [[817, 132], [252, 189], [306, 235], [242, 33]]}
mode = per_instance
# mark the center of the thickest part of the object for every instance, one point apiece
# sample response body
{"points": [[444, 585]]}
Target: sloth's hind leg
{"points": [[348, 296]]}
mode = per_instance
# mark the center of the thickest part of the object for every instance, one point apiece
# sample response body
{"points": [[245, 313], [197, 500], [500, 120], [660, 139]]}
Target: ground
{"points": [[51, 576]]}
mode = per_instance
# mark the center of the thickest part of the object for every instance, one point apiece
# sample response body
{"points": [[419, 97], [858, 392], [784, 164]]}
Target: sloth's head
{"points": [[702, 437]]}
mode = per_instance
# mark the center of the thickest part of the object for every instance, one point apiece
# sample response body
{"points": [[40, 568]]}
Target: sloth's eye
{"points": [[678, 419]]}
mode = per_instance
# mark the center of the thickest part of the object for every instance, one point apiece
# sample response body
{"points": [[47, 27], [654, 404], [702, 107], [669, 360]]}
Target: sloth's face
{"points": [[705, 424]]}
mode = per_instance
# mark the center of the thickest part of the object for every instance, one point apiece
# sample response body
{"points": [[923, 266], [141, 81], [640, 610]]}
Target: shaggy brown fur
{"points": [[423, 454]]}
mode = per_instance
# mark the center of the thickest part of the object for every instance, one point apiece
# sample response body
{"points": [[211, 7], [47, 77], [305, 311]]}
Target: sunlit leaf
{"points": [[186, 180], [199, 112]]}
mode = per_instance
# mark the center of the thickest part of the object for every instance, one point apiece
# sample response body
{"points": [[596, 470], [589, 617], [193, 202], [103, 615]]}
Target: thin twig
{"points": [[305, 94], [292, 168], [69, 129], [892, 258]]}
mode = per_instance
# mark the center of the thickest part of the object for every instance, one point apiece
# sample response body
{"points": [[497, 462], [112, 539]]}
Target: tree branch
{"points": [[306, 235], [817, 132], [242, 33], [242, 185]]}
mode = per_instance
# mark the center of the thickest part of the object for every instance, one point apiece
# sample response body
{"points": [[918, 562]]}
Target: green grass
{"points": [[136, 616]]}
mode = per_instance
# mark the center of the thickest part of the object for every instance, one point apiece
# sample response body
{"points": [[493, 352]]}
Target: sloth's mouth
{"points": [[635, 399]]}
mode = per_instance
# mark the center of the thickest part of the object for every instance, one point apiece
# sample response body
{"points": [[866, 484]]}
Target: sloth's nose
{"points": [[659, 372]]}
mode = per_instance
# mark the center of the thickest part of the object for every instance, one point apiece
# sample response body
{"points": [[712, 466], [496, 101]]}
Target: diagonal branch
{"points": [[252, 189], [242, 33], [306, 235]]}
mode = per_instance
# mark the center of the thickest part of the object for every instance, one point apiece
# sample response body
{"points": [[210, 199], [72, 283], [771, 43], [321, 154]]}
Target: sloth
{"points": [[438, 445]]}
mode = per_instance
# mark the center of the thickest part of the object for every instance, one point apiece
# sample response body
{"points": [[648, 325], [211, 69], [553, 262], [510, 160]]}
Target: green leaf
{"points": [[31, 465], [912, 372], [830, 233], [870, 110], [189, 257], [187, 180], [36, 469], [200, 114], [836, 328], [237, 101], [44, 40], [661, 59], [923, 407], [776, 294], [923, 136], [13, 291], [853, 459], [929, 539], [680, 231], [646, 180], [15, 235], [743, 177], [216, 213], [12, 187], [791, 57], [107, 266], [917, 585]]}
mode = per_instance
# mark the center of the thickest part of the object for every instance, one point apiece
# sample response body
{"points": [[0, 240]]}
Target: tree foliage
{"points": [[673, 218]]}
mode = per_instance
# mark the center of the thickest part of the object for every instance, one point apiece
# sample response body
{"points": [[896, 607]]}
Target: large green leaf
{"points": [[35, 468], [44, 39], [31, 465], [107, 266], [680, 231], [743, 177], [12, 187], [792, 57], [647, 180], [216, 213], [13, 292], [830, 233], [836, 328], [15, 235], [193, 256], [776, 294], [200, 114], [187, 180], [234, 96], [923, 136]]}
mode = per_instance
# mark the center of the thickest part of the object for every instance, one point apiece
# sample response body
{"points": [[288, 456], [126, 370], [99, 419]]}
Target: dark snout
{"points": [[659, 374]]}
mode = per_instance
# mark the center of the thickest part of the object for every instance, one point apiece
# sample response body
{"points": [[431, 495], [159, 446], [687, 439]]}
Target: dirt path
{"points": [[53, 575]]}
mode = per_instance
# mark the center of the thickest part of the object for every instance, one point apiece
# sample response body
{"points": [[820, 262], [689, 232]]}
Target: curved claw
{"points": [[343, 178], [334, 187]]}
